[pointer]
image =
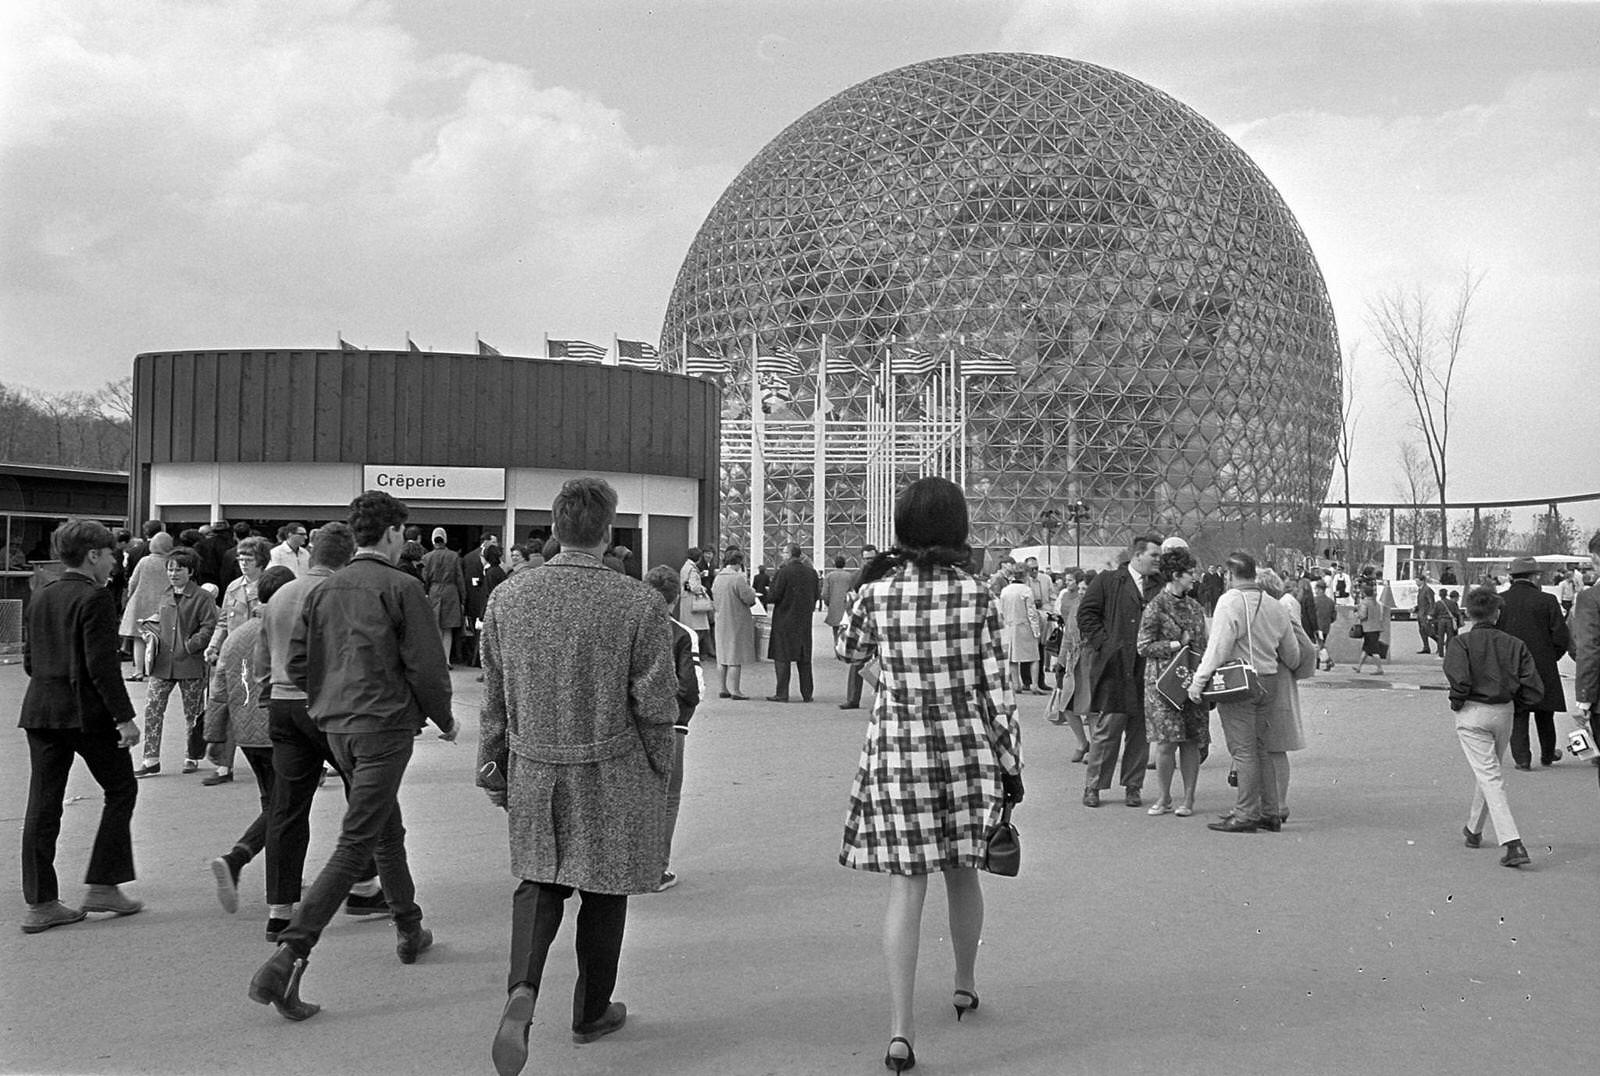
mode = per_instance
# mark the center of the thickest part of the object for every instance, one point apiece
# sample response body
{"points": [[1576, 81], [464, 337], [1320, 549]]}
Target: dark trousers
{"points": [[254, 838], [299, 750], [50, 753], [853, 684], [782, 690], [536, 912], [1425, 631], [372, 827], [1521, 749], [1108, 733]]}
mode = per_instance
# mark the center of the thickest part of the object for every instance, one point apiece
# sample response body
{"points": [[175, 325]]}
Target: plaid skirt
{"points": [[927, 793]]}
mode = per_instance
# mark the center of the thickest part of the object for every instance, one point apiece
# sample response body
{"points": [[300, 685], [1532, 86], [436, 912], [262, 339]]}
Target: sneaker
{"points": [[377, 904], [668, 880], [108, 898], [191, 765], [51, 913], [227, 876]]}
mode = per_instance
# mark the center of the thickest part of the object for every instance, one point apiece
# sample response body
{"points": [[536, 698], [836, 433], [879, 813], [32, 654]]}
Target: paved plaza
{"points": [[1364, 938]]}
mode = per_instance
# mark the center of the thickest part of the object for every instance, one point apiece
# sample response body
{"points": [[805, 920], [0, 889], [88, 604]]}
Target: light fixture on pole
{"points": [[1080, 513]]}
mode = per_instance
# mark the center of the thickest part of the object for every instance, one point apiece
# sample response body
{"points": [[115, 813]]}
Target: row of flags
{"points": [[773, 362]]}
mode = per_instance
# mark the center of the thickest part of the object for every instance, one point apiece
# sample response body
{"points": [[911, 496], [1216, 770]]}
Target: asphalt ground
{"points": [[1362, 939]]}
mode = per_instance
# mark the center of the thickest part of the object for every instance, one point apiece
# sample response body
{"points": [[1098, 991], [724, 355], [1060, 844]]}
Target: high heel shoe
{"points": [[900, 1062], [966, 1001]]}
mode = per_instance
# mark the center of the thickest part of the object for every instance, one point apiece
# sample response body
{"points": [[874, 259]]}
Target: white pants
{"points": [[1485, 733]]}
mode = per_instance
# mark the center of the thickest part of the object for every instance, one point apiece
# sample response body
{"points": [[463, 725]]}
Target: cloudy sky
{"points": [[246, 173]]}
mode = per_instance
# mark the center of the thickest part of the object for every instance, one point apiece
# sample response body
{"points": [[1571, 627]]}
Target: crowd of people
{"points": [[328, 653]]}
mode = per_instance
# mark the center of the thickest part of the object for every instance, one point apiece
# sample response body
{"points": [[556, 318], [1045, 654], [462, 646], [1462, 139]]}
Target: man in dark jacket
{"points": [[366, 653], [1108, 619], [1209, 589], [792, 599], [76, 704], [1424, 614], [1535, 617]]}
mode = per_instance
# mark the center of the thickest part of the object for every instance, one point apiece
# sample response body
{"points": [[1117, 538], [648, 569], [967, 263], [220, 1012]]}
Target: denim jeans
{"points": [[376, 762]]}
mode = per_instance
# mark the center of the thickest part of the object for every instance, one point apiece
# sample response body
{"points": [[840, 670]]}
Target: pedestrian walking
{"points": [[577, 743], [366, 654], [76, 705], [943, 752], [1489, 672]]}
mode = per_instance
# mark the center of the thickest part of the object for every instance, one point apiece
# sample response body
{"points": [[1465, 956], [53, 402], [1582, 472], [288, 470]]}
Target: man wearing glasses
{"points": [[291, 551]]}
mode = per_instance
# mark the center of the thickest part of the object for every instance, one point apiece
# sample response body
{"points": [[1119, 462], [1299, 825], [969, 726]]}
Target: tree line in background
{"points": [[91, 430]]}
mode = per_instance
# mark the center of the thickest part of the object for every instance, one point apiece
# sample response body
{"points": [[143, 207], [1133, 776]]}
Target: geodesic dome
{"points": [[1175, 360]]}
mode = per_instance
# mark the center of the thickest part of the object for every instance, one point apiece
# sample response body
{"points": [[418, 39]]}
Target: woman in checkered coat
{"points": [[943, 752]]}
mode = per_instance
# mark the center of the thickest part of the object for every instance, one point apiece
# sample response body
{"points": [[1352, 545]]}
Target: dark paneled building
{"points": [[471, 442]]}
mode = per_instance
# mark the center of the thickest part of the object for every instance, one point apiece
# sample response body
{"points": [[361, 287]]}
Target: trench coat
{"points": [[793, 595], [145, 587], [579, 702], [1108, 617], [690, 583]]}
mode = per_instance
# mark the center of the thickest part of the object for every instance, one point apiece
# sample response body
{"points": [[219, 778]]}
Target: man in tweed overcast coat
{"points": [[580, 699]]}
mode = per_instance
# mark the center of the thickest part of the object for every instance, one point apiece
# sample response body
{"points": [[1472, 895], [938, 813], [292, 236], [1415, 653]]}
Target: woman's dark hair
{"points": [[733, 558], [184, 557], [1175, 562], [372, 514], [189, 538], [491, 554], [930, 529], [1482, 604], [271, 579]]}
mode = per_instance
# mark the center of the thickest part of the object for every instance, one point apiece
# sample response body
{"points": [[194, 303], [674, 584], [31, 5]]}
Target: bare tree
{"points": [[1414, 486], [1349, 416], [1425, 346], [1486, 534], [115, 399]]}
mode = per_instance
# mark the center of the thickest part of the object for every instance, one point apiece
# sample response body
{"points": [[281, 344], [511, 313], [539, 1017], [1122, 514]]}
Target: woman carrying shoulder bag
{"points": [[943, 750]]}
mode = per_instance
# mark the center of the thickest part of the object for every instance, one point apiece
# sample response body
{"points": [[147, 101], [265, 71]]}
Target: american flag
{"points": [[975, 362], [638, 353], [909, 360], [581, 350], [775, 393], [702, 363], [778, 361]]}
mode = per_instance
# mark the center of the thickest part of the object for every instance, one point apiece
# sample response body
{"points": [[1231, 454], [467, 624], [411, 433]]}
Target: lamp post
{"points": [[1050, 520], [1080, 513]]}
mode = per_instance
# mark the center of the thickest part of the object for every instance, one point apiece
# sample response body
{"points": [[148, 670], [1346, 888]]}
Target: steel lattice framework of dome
{"points": [[1174, 350]]}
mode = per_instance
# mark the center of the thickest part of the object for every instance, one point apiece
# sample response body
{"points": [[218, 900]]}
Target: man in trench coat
{"points": [[580, 700], [1108, 619], [792, 599], [1535, 617]]}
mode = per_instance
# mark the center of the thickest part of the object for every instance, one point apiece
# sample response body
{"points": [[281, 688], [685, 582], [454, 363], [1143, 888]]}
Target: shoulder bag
{"points": [[1236, 680]]}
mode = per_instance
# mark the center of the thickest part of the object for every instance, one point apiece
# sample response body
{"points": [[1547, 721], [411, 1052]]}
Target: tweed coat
{"points": [[1584, 625], [1535, 617], [793, 598], [579, 702]]}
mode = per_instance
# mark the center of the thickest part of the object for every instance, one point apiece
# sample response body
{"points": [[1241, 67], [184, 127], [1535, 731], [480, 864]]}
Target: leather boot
{"points": [[277, 982]]}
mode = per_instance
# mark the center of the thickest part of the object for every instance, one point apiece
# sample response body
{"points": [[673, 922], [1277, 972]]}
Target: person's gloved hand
{"points": [[1011, 786]]}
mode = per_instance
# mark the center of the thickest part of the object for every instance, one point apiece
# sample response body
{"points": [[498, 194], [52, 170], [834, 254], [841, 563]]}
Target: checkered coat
{"points": [[944, 723]]}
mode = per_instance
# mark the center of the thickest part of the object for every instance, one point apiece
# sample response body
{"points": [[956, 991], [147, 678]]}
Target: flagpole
{"points": [[758, 466], [819, 460], [614, 356], [547, 345]]}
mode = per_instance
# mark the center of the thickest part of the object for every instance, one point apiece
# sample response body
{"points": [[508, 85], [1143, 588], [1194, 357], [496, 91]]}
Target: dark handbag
{"points": [[1236, 680], [1003, 853], [1173, 684], [1057, 631], [1355, 630]]}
